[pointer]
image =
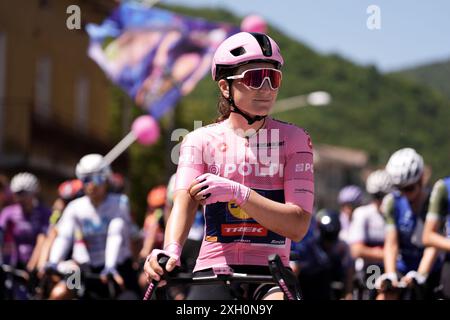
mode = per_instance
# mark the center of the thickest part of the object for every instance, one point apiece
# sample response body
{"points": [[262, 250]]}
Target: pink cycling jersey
{"points": [[276, 161]]}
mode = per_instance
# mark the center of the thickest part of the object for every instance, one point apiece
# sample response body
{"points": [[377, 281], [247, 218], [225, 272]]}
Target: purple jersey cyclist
{"points": [[24, 223]]}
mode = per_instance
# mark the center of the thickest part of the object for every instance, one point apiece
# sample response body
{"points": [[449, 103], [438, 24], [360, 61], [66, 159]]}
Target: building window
{"points": [[82, 104], [2, 85], [43, 87]]}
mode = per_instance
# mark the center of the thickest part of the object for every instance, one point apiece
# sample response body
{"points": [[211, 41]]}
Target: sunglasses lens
{"points": [[96, 179], [255, 78]]}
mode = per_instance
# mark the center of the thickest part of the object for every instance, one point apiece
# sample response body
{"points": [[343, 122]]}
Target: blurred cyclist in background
{"points": [[5, 192], [366, 235], [438, 216], [153, 228], [5, 200], [322, 261], [117, 184], [67, 191], [349, 198], [102, 219], [405, 257], [24, 223]]}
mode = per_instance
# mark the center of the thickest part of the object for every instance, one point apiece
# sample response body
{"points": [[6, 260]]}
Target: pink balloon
{"points": [[254, 23], [146, 130]]}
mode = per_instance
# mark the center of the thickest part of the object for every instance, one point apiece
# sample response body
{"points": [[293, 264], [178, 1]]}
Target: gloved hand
{"points": [[420, 278], [152, 268], [115, 275], [214, 189], [386, 276], [109, 271]]}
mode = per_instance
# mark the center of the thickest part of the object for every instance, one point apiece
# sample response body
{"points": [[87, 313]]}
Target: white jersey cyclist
{"points": [[367, 226], [103, 230], [99, 219]]}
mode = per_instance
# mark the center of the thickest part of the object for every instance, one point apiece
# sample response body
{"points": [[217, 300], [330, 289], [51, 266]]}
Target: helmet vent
{"points": [[264, 43], [238, 51]]}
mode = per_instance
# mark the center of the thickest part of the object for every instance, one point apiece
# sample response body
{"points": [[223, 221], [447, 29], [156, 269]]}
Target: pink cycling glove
{"points": [[172, 250], [219, 189]]}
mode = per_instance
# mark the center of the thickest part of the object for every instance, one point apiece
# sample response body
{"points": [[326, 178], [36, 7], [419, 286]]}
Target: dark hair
{"points": [[224, 108]]}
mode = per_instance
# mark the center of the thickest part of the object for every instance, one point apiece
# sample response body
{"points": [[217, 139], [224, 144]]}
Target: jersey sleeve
{"points": [[299, 170], [190, 163], [387, 208], [438, 201], [63, 241], [66, 225], [357, 230]]}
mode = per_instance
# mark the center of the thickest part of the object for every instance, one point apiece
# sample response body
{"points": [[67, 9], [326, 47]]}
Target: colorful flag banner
{"points": [[156, 56]]}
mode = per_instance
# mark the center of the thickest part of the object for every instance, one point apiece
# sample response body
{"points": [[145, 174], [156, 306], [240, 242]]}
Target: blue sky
{"points": [[412, 32]]}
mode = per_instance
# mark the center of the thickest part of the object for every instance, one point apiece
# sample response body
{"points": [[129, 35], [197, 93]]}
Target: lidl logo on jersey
{"points": [[252, 230], [237, 211]]}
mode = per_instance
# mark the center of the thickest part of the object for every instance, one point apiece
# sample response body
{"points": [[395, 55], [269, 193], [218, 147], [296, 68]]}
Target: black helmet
{"points": [[328, 224]]}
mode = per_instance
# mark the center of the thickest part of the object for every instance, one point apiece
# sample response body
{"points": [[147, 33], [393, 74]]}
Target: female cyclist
{"points": [[253, 174], [405, 256]]}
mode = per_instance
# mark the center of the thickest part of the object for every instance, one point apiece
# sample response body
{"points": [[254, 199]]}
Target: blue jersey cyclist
{"points": [[439, 216], [404, 211]]}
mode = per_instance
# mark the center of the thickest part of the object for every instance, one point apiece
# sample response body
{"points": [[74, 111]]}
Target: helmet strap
{"points": [[250, 119]]}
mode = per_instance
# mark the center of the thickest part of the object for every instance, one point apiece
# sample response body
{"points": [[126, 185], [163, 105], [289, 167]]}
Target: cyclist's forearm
{"points": [[359, 250], [348, 284], [390, 252], [286, 219], [114, 242], [427, 261], [59, 249], [46, 247], [432, 238], [33, 262], [180, 219]]}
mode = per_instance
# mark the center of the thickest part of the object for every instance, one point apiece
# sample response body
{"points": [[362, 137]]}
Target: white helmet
{"points": [[378, 181], [92, 164], [24, 181], [405, 166], [351, 194]]}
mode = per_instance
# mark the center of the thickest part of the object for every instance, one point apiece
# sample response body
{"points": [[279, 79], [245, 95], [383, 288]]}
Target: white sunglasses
{"points": [[254, 78]]}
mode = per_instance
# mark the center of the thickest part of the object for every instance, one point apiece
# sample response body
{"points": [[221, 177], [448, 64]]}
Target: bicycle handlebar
{"points": [[286, 281]]}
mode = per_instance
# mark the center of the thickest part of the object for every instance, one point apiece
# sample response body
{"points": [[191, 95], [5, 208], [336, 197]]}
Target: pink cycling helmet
{"points": [[242, 48]]}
